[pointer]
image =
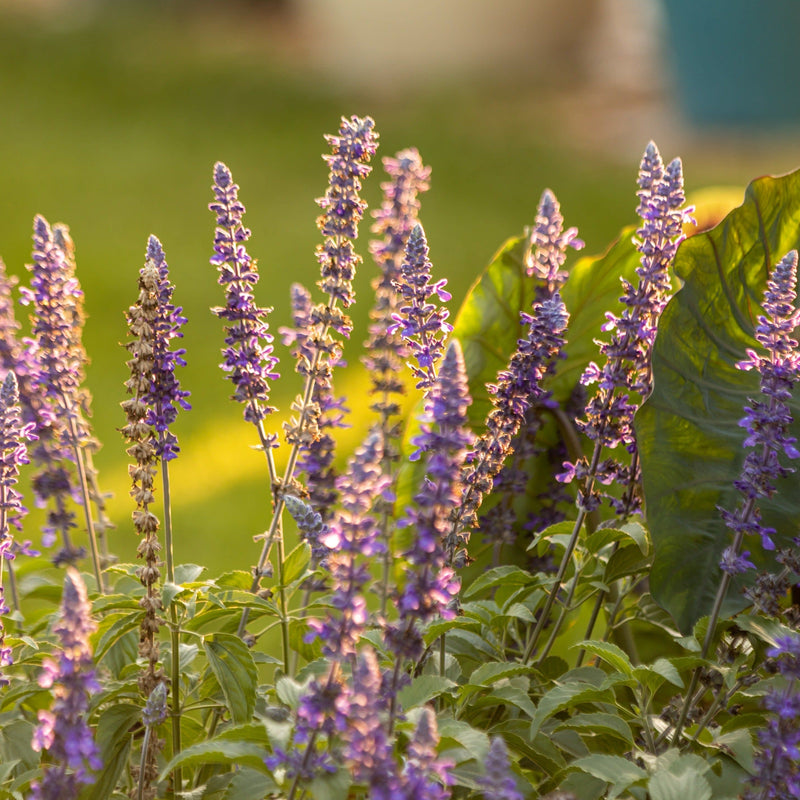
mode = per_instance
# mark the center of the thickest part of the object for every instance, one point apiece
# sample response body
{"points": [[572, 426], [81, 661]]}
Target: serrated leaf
{"points": [[613, 655], [680, 781], [616, 770], [220, 751], [599, 723], [422, 689], [489, 674], [655, 674], [690, 442], [247, 784], [295, 564], [561, 698], [474, 742], [233, 666], [508, 575]]}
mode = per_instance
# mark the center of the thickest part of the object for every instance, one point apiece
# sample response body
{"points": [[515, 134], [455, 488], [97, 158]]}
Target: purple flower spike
{"points": [[549, 243], [342, 208], [778, 763], [626, 372], [165, 394], [248, 358], [63, 730], [498, 783], [422, 323], [426, 775], [767, 421]]}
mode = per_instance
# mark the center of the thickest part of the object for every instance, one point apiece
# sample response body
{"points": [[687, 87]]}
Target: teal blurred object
{"points": [[736, 62]]}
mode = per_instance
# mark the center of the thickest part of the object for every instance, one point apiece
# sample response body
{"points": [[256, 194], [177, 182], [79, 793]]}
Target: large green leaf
{"points": [[232, 664], [688, 433]]}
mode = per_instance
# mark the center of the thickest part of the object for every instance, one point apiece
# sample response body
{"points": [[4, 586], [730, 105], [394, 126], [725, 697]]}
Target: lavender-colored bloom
{"points": [[248, 356], [352, 536], [155, 709], [422, 323], [165, 394], [312, 528], [368, 749], [767, 421], [778, 763], [735, 563], [58, 361], [342, 208], [609, 413], [549, 242], [430, 585], [498, 783], [518, 388], [317, 453], [425, 774], [63, 730]]}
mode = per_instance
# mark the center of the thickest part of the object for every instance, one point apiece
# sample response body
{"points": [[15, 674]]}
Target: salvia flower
{"points": [[312, 528], [518, 388], [430, 584], [425, 774], [342, 208], [626, 373], [421, 322], [498, 783], [248, 355], [777, 764], [767, 420], [165, 395], [549, 242], [63, 731]]}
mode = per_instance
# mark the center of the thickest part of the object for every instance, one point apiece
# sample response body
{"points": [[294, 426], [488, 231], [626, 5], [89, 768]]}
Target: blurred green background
{"points": [[113, 115]]}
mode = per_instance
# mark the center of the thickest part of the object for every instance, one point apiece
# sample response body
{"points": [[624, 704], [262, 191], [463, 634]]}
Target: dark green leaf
{"points": [[490, 673], [616, 770], [233, 666], [599, 723], [220, 751], [688, 433], [423, 689], [613, 655], [114, 736], [247, 784]]}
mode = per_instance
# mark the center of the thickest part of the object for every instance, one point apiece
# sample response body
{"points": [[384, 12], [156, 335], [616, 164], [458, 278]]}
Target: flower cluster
{"points": [[778, 763], [63, 731], [431, 585], [248, 357], [422, 323], [518, 388], [767, 421], [57, 372], [548, 244], [609, 413], [498, 783]]}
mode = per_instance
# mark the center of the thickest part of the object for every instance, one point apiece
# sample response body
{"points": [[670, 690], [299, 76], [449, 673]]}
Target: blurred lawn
{"points": [[113, 127]]}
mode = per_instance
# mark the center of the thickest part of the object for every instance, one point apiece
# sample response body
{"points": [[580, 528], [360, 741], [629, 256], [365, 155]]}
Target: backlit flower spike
{"points": [[425, 774], [58, 367], [431, 585], [248, 356], [352, 539], [625, 378], [63, 731], [13, 453], [422, 322], [498, 783], [342, 209], [767, 420], [518, 388], [777, 763], [164, 395], [549, 242], [386, 351]]}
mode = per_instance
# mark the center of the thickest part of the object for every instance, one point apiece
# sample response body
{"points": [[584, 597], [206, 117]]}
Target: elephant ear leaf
{"points": [[690, 441]]}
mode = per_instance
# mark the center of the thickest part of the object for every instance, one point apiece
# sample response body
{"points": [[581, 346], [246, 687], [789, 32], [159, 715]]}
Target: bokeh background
{"points": [[113, 114]]}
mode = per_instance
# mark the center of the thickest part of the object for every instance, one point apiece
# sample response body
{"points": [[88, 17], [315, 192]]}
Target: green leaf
{"points": [[220, 751], [296, 563], [508, 575], [561, 698], [188, 573], [690, 441], [683, 778], [473, 742], [613, 655], [423, 689], [494, 671], [616, 770], [599, 723], [247, 784], [330, 787], [233, 666]]}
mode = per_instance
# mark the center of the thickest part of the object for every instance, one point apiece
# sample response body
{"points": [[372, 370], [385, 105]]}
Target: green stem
{"points": [[143, 763]]}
